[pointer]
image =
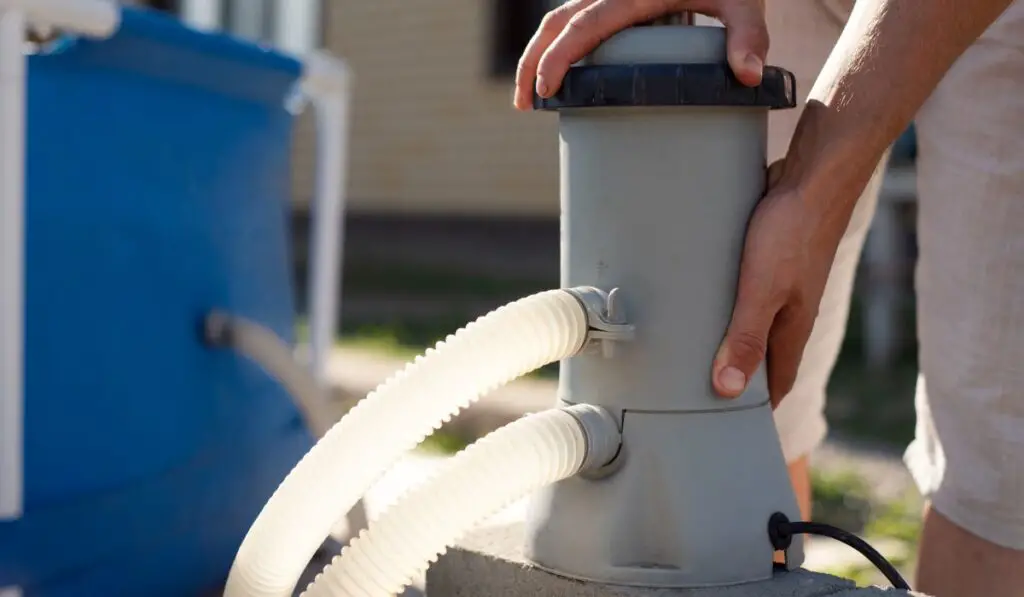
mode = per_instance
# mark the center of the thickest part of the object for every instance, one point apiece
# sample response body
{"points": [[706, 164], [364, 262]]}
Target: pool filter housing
{"points": [[663, 160]]}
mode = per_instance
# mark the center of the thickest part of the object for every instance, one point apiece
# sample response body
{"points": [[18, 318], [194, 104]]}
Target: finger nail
{"points": [[542, 87], [732, 380], [754, 63]]}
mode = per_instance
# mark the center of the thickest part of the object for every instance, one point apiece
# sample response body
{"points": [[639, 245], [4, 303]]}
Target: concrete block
{"points": [[489, 562]]}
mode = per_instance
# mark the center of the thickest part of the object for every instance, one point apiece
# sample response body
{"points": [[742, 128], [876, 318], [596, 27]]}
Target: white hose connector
{"points": [[94, 18], [493, 350], [262, 346], [479, 482]]}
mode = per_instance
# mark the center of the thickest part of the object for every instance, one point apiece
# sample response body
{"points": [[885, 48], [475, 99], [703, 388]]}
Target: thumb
{"points": [[746, 39], [744, 347], [775, 172]]}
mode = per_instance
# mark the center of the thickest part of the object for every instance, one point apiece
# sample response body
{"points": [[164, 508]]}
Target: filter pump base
{"points": [[687, 506], [489, 561]]}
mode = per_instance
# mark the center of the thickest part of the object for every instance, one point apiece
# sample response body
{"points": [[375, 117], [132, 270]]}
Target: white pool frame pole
{"points": [[94, 18], [297, 24], [327, 82], [204, 15], [88, 17], [97, 18], [12, 275]]}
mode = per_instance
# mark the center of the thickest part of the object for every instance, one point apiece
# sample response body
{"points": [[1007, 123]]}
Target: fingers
{"points": [[787, 340], [550, 28], [746, 38], [746, 340], [571, 31], [585, 30], [775, 172]]}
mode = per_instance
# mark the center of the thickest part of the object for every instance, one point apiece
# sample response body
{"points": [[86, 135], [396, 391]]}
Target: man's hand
{"points": [[795, 230], [574, 29], [789, 249]]}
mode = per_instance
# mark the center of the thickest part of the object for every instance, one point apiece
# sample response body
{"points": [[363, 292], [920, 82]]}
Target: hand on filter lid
{"points": [[574, 29]]}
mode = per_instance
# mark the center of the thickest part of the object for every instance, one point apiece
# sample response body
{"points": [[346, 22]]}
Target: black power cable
{"points": [[781, 531]]}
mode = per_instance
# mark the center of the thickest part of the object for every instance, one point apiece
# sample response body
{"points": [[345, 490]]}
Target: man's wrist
{"points": [[829, 162]]}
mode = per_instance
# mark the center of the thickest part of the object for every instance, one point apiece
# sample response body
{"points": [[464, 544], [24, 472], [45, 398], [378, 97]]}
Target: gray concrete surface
{"points": [[489, 563]]}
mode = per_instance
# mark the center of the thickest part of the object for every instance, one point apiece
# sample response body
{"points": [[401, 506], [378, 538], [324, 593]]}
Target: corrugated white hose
{"points": [[393, 419], [480, 481]]}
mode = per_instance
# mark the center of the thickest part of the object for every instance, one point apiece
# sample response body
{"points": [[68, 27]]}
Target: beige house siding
{"points": [[433, 132]]}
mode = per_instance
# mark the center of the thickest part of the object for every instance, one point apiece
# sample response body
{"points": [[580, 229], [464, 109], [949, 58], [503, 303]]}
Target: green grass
{"points": [[842, 499], [897, 520], [444, 443], [845, 500]]}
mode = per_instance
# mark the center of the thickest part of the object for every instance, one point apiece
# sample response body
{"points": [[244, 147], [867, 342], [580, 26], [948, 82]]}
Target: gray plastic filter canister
{"points": [[663, 158]]}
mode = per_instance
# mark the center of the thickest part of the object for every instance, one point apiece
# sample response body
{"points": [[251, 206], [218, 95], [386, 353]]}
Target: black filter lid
{"points": [[649, 85]]}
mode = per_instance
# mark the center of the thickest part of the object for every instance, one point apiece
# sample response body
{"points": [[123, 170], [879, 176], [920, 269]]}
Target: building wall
{"points": [[433, 131]]}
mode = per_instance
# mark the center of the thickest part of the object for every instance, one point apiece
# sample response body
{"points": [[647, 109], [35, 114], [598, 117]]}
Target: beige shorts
{"points": [[968, 454]]}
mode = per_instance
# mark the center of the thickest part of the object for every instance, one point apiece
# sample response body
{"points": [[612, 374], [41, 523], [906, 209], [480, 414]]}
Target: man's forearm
{"points": [[890, 57]]}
